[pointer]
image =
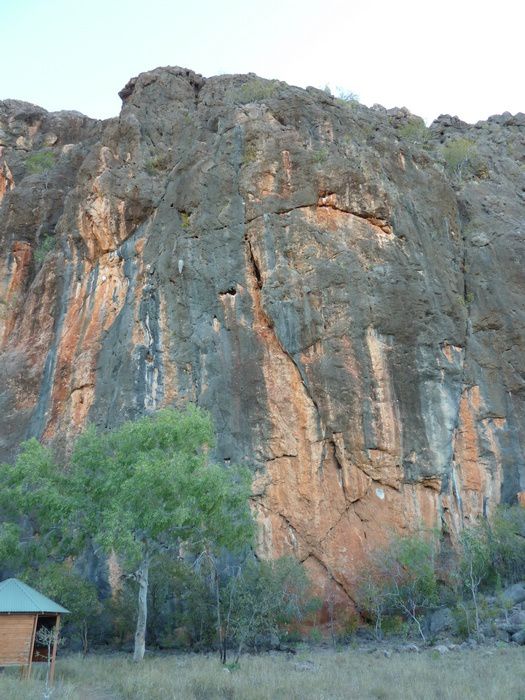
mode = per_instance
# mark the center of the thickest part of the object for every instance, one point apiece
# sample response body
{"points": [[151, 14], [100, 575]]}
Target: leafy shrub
{"points": [[466, 299], [414, 130], [470, 616], [402, 579], [181, 605], [462, 618], [45, 246], [79, 596], [250, 152], [319, 156], [347, 628], [184, 219], [373, 600], [120, 611], [473, 568], [207, 603], [346, 98], [40, 162], [159, 163], [395, 625], [491, 552], [255, 90], [263, 598], [315, 636], [507, 543], [461, 157]]}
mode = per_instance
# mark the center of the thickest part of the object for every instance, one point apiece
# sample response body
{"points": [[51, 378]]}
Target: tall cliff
{"points": [[341, 289]]}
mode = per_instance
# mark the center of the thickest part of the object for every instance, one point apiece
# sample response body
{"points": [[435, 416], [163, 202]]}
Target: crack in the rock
{"points": [[336, 523], [464, 384], [363, 520], [330, 573], [82, 386], [283, 517], [328, 200], [269, 324], [340, 466], [375, 221], [257, 275], [279, 212], [289, 456], [310, 554], [289, 524]]}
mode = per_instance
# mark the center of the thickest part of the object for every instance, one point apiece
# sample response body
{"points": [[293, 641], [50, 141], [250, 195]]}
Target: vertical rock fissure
{"points": [[331, 576], [340, 468], [269, 324], [150, 369], [465, 385], [38, 422]]}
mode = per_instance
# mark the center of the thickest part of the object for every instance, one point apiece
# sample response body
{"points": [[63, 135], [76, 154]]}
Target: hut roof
{"points": [[18, 597]]}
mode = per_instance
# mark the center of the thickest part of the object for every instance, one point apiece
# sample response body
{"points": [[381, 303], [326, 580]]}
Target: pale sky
{"points": [[459, 57]]}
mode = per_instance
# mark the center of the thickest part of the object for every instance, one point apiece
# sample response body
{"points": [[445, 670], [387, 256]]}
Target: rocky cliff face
{"points": [[348, 305]]}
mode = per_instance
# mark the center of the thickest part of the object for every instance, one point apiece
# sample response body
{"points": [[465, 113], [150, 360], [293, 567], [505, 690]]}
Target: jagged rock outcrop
{"points": [[350, 307]]}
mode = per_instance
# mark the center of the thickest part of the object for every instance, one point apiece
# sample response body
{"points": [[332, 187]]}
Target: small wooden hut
{"points": [[23, 612]]}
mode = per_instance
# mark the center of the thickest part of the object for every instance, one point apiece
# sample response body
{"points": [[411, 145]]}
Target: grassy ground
{"points": [[311, 675]]}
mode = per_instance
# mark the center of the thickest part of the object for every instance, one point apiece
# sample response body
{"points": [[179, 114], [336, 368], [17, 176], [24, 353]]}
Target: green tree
{"points": [[490, 552], [181, 609], [373, 598], [402, 577], [120, 612], [152, 489], [79, 596], [474, 564], [506, 538], [262, 598], [142, 489], [35, 505]]}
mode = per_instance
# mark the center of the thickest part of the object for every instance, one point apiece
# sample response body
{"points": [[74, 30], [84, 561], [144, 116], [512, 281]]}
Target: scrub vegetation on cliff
{"points": [[414, 576]]}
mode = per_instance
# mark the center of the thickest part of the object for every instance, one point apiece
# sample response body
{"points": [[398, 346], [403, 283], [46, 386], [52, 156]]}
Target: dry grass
{"points": [[316, 675]]}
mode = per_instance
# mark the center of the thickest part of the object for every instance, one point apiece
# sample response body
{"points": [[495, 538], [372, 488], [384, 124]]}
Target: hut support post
{"points": [[54, 652], [26, 670]]}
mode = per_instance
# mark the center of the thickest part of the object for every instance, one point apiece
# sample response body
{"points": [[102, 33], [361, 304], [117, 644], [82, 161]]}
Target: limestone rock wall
{"points": [[312, 272]]}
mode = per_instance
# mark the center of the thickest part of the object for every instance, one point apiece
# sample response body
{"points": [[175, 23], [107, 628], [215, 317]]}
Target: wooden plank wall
{"points": [[16, 632]]}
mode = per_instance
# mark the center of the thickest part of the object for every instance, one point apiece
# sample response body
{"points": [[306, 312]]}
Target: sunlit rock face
{"points": [[350, 311]]}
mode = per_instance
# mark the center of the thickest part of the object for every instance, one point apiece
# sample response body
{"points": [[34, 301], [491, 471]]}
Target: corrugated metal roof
{"points": [[18, 597]]}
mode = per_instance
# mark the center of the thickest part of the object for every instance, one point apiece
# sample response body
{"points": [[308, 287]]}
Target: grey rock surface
{"points": [[441, 620], [514, 594], [519, 637], [340, 286]]}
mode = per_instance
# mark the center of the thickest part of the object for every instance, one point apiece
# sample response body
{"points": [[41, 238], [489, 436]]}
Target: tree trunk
{"points": [[220, 631], [142, 617], [84, 635]]}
